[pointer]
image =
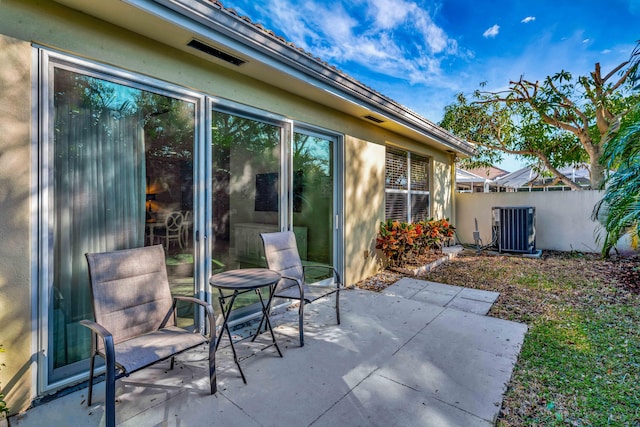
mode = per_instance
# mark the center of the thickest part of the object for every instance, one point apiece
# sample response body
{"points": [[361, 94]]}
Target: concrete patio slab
{"points": [[392, 361], [470, 306], [379, 401], [450, 296], [479, 295]]}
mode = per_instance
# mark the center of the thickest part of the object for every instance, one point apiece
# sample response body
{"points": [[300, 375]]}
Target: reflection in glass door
{"points": [[313, 198], [120, 162], [246, 194]]}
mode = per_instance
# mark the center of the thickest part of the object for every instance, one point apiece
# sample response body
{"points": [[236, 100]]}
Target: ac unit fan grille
{"points": [[516, 229]]}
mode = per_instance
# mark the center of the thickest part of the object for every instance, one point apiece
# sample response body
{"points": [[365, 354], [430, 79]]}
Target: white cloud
{"points": [[397, 38], [606, 51], [586, 41], [389, 13], [528, 19], [491, 32]]}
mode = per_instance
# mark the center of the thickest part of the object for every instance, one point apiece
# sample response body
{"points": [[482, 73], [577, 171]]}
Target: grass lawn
{"points": [[580, 361]]}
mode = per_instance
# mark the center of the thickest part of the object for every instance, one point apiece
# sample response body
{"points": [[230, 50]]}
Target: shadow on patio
{"points": [[392, 361]]}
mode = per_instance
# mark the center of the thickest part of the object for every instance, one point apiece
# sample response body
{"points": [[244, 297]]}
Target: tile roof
{"points": [[491, 172]]}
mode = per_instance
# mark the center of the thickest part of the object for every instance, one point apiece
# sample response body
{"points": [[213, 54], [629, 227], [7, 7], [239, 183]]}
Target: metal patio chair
{"points": [[281, 252], [135, 317]]}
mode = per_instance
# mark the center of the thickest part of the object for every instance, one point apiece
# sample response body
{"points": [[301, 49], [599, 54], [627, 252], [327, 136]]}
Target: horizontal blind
{"points": [[395, 206], [396, 168], [419, 207], [419, 173]]}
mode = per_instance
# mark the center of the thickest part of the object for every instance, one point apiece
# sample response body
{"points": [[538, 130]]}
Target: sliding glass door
{"points": [[126, 161], [246, 195], [250, 157], [120, 175], [315, 212]]}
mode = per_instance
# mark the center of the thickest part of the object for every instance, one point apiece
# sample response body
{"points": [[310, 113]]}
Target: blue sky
{"points": [[422, 53]]}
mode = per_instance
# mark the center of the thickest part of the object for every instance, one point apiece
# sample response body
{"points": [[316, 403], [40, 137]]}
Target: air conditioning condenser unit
{"points": [[515, 228]]}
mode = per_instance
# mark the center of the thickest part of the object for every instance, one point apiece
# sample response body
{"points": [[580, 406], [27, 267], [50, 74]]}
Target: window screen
{"points": [[419, 207]]}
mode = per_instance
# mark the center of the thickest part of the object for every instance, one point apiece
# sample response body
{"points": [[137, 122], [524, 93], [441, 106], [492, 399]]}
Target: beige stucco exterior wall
{"points": [[442, 188], [563, 219], [49, 24], [15, 214], [364, 206]]}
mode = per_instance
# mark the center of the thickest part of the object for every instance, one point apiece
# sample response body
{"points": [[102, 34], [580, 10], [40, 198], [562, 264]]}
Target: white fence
{"points": [[562, 219]]}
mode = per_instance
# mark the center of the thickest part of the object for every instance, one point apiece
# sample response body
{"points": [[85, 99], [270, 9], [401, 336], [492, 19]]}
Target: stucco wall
{"points": [[563, 219], [15, 184], [364, 206], [442, 188]]}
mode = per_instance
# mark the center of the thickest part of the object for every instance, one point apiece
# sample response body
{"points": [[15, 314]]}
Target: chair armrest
{"points": [[328, 267], [107, 339], [207, 308], [299, 283], [97, 328]]}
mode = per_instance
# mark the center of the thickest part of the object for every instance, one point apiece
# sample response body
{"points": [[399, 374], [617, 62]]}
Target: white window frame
{"points": [[408, 192]]}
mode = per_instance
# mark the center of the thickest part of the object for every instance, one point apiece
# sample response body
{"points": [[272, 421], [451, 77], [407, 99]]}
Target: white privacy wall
{"points": [[562, 219]]}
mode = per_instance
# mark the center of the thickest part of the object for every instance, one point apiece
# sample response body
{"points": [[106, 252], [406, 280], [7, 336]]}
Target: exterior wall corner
{"points": [[15, 184]]}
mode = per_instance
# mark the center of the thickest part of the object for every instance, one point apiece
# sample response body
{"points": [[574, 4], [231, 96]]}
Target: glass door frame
{"points": [[338, 186], [286, 135], [288, 129], [44, 61]]}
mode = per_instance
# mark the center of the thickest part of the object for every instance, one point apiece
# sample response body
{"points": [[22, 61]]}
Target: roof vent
{"points": [[373, 119], [210, 50]]}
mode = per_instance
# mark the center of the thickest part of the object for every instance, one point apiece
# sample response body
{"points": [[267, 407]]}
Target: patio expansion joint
{"points": [[240, 408], [344, 395], [435, 397], [419, 331]]}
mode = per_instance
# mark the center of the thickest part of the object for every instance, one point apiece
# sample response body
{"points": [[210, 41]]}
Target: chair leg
{"points": [[338, 306], [300, 322], [110, 389], [91, 365], [212, 365]]}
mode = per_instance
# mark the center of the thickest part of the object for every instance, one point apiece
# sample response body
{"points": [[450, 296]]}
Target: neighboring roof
{"points": [[465, 176], [490, 172], [269, 58], [527, 176]]}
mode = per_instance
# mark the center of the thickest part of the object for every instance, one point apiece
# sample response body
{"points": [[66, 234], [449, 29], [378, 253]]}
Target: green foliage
{"points": [[619, 210], [560, 121], [400, 242], [583, 367]]}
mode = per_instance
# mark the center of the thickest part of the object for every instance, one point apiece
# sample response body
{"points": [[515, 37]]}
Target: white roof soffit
{"points": [[269, 58]]}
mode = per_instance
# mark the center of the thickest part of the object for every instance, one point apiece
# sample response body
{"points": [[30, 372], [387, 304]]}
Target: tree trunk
{"points": [[596, 173]]}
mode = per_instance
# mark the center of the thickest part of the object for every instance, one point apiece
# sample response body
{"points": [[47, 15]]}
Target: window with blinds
{"points": [[406, 186]]}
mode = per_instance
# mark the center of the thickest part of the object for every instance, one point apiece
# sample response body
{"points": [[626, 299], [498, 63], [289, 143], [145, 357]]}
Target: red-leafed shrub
{"points": [[400, 242]]}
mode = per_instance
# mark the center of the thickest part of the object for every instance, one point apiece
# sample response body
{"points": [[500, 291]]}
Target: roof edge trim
{"points": [[215, 17]]}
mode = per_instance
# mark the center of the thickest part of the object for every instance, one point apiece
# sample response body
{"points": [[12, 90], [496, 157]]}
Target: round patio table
{"points": [[242, 281]]}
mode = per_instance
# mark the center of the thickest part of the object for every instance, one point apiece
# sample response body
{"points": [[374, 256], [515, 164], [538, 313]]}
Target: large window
{"points": [[406, 186], [119, 174]]}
